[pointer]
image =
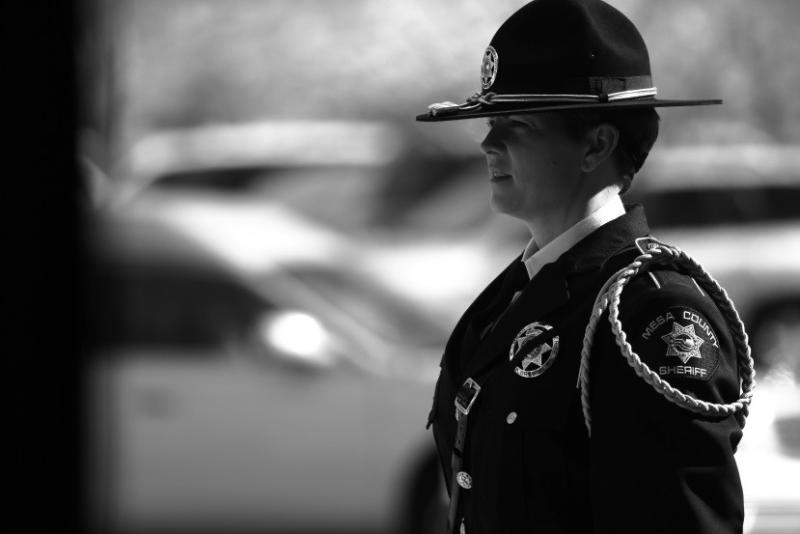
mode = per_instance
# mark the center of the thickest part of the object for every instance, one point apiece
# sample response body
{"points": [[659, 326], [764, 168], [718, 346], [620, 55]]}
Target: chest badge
{"points": [[536, 358]]}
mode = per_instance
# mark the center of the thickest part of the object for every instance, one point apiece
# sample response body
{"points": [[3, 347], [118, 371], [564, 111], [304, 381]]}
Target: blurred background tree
{"points": [[171, 63]]}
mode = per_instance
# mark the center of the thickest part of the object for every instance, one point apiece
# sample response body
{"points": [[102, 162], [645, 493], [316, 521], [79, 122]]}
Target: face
{"points": [[534, 167]]}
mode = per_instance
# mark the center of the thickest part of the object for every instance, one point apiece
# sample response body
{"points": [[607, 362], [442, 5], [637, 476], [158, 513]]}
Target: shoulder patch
{"points": [[678, 342]]}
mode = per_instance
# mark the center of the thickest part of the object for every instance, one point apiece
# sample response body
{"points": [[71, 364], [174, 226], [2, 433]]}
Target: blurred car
{"points": [[366, 179], [736, 210], [250, 378]]}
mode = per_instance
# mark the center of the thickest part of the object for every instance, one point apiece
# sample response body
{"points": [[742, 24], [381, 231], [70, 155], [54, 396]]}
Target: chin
{"points": [[505, 205]]}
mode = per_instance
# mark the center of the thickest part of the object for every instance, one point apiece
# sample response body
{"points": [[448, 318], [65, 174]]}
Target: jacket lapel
{"points": [[540, 297], [466, 335]]}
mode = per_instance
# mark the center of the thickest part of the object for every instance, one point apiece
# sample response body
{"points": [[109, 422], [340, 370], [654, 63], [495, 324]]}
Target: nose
{"points": [[491, 144]]}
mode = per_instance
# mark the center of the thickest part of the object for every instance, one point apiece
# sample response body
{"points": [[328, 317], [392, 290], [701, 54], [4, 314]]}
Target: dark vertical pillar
{"points": [[40, 291]]}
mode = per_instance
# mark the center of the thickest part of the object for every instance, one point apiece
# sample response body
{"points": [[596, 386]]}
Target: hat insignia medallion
{"points": [[489, 67]]}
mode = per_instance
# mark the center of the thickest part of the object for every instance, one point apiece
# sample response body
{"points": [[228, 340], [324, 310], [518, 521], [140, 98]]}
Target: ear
{"points": [[601, 141]]}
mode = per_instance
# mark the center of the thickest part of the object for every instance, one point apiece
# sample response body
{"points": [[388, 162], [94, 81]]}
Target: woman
{"points": [[542, 425]]}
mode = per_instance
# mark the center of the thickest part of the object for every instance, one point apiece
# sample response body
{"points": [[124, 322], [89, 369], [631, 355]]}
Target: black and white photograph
{"points": [[406, 266]]}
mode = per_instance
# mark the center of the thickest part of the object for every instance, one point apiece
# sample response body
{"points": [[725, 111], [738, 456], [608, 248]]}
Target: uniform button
{"points": [[464, 480], [511, 417]]}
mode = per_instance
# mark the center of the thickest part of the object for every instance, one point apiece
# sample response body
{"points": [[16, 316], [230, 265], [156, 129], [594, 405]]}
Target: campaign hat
{"points": [[559, 55]]}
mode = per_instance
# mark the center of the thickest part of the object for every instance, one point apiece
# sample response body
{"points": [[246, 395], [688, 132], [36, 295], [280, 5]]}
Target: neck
{"points": [[545, 227]]}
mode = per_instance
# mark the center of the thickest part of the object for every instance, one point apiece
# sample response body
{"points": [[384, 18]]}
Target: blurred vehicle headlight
{"points": [[297, 334]]}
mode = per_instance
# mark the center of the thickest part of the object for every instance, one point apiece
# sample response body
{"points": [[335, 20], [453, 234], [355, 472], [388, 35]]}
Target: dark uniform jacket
{"points": [[650, 466]]}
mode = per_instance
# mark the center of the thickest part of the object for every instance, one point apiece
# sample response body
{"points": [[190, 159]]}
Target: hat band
{"points": [[493, 98], [477, 100]]}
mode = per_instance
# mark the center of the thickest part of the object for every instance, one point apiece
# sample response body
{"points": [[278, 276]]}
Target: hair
{"points": [[637, 127]]}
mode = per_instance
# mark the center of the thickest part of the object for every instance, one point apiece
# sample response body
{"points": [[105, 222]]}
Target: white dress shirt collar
{"points": [[535, 258]]}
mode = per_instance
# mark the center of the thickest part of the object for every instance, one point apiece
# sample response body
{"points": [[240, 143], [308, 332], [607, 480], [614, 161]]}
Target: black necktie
{"points": [[515, 281]]}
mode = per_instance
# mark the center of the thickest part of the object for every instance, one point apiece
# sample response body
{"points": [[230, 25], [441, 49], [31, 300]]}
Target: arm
{"points": [[657, 467]]}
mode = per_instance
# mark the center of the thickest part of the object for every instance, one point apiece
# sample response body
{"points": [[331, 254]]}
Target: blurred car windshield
{"points": [[297, 187], [383, 312], [719, 205]]}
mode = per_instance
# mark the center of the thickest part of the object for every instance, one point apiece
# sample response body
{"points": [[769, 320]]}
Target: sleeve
{"points": [[658, 467]]}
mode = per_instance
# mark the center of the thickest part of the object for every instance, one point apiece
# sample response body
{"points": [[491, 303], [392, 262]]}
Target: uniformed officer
{"points": [[600, 383]]}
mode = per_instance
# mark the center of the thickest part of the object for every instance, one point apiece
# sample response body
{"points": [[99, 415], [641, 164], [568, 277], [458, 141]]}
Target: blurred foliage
{"points": [[184, 62]]}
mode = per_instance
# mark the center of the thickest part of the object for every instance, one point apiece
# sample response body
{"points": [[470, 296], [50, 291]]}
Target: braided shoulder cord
{"points": [[609, 298]]}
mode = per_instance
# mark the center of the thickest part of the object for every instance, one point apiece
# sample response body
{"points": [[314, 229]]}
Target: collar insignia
{"points": [[683, 342], [489, 67], [539, 358]]}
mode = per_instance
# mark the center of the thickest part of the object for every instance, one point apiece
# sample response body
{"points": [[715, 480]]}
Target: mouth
{"points": [[497, 176]]}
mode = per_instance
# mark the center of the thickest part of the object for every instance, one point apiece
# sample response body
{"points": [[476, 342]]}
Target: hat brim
{"points": [[494, 110]]}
